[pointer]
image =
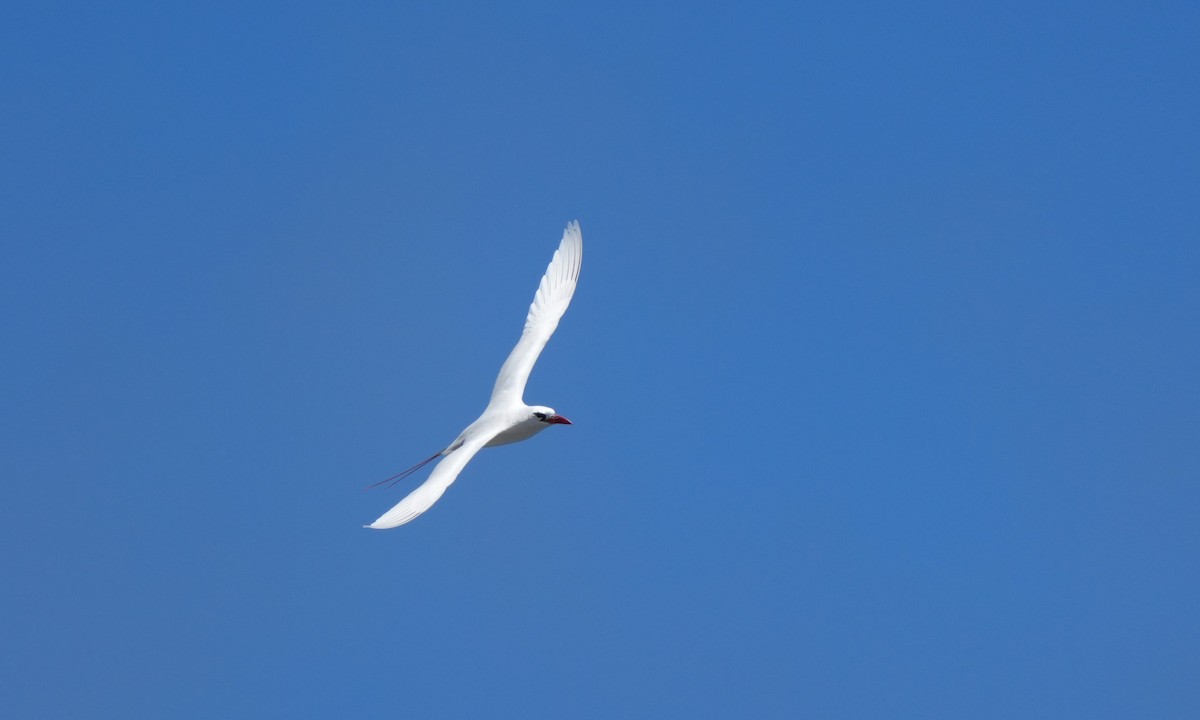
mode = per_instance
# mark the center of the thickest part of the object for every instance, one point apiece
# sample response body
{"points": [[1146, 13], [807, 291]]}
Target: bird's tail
{"points": [[401, 475]]}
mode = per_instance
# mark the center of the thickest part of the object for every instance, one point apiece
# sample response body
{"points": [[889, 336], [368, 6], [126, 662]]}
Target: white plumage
{"points": [[507, 418]]}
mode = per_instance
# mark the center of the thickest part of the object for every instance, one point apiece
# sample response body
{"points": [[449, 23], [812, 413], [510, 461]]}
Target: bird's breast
{"points": [[516, 433]]}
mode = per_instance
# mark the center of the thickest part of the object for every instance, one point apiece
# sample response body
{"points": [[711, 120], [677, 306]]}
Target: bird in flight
{"points": [[506, 419]]}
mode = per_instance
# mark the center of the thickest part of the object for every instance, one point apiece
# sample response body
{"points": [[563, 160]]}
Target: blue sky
{"points": [[883, 363]]}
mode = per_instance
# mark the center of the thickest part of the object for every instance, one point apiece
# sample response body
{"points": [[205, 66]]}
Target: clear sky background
{"points": [[883, 363]]}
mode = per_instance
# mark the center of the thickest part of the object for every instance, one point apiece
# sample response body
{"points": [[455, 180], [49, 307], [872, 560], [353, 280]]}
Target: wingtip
{"points": [[386, 523], [572, 246]]}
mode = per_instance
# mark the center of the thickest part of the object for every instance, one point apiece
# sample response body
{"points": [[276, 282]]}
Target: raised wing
{"points": [[423, 498], [551, 301]]}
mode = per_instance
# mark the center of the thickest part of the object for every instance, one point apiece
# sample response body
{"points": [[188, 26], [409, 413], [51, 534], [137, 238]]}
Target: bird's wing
{"points": [[551, 301], [421, 499]]}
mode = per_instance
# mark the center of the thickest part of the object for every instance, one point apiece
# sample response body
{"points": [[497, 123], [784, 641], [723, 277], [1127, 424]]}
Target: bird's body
{"points": [[507, 419]]}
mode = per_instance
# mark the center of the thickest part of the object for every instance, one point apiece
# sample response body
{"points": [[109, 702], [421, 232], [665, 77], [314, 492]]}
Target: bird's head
{"points": [[548, 416]]}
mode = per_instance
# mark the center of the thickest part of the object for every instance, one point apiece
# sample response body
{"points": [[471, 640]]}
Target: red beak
{"points": [[557, 420]]}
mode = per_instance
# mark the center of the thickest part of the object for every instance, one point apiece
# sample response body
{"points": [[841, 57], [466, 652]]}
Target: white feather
{"points": [[423, 498], [507, 418], [553, 296]]}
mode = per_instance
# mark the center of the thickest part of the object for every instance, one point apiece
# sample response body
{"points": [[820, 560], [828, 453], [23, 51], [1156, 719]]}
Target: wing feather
{"points": [[423, 498], [553, 295]]}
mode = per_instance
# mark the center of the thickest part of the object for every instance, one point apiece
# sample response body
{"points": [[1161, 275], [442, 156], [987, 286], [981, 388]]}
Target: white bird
{"points": [[506, 419]]}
